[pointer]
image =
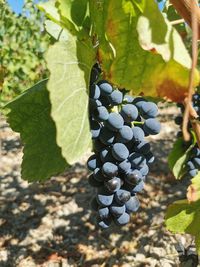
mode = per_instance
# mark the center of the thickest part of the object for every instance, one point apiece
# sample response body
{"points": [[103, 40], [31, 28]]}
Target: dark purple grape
{"points": [[114, 122], [109, 169], [105, 88], [117, 210], [129, 112], [132, 205], [122, 196], [113, 184], [123, 219], [152, 126], [120, 151], [133, 177]]}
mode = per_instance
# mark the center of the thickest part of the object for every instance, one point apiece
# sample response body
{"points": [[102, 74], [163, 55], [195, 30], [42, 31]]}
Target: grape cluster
{"points": [[119, 124], [192, 165]]}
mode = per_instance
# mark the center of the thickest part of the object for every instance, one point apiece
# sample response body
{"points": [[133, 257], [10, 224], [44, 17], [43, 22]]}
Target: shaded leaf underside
{"points": [[30, 116]]}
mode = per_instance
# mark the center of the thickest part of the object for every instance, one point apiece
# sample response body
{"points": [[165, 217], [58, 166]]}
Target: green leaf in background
{"points": [[50, 8], [193, 192], [145, 58], [73, 10], [178, 156], [30, 116], [70, 64], [184, 217], [21, 38]]}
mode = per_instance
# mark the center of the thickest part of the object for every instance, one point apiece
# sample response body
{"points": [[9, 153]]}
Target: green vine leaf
{"points": [[70, 64], [50, 8], [184, 217], [178, 156], [56, 31], [30, 116], [73, 10], [193, 192], [148, 59]]}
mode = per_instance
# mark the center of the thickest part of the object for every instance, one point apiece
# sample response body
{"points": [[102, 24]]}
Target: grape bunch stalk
{"points": [[192, 165], [120, 163]]}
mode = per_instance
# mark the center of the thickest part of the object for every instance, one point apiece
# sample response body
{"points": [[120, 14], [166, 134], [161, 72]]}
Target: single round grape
{"points": [[120, 151], [93, 182], [178, 120], [152, 126], [128, 99], [144, 170], [196, 162], [104, 198], [101, 114], [93, 162], [124, 166], [117, 210], [137, 159], [105, 223], [149, 158], [132, 205], [122, 196], [103, 213], [123, 219], [193, 173], [125, 134], [129, 112], [113, 184], [105, 101], [109, 169], [196, 97], [106, 155], [133, 177], [143, 147], [138, 134], [98, 175], [106, 136], [196, 151], [95, 128], [148, 110], [116, 97], [138, 101], [94, 91], [138, 188], [105, 88], [115, 121], [190, 165]]}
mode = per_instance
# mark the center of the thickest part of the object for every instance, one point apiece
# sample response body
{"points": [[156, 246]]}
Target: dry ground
{"points": [[51, 225]]}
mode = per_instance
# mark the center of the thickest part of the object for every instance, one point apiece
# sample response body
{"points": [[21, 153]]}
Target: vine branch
{"points": [[185, 8], [187, 102]]}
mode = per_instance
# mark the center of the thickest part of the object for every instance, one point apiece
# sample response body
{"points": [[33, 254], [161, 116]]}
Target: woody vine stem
{"points": [[190, 11]]}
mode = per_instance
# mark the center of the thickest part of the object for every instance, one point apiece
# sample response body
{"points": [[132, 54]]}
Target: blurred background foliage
{"points": [[23, 43]]}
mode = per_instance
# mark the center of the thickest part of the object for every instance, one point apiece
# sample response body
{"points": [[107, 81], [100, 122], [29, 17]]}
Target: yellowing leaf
{"points": [[140, 51], [193, 192]]}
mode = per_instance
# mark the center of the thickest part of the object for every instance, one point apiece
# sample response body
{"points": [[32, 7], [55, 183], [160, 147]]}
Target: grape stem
{"points": [[195, 123], [137, 122]]}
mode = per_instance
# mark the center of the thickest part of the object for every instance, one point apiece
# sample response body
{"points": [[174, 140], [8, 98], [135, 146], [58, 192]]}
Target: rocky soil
{"points": [[51, 225]]}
